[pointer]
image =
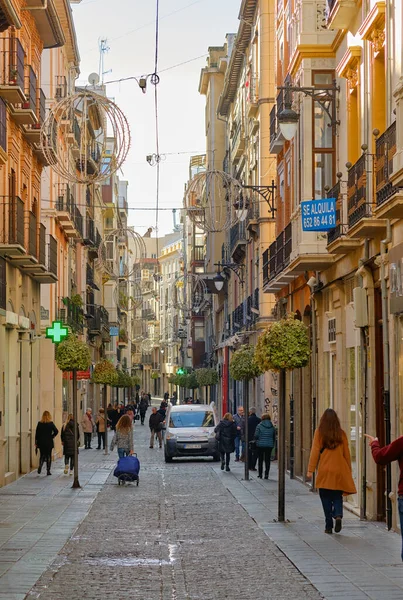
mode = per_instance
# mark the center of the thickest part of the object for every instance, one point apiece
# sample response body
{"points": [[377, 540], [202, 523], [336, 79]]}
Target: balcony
{"points": [[67, 211], [253, 95], [237, 142], [251, 221], [276, 260], [46, 269], [389, 198], [90, 163], [25, 113], [93, 250], [238, 242], [98, 322], [148, 314], [12, 232], [341, 13], [146, 359], [198, 254], [33, 132], [12, 71], [71, 315], [338, 242], [89, 237], [361, 219]]}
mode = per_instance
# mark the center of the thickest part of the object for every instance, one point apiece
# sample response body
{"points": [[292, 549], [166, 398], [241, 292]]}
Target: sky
{"points": [[187, 28]]}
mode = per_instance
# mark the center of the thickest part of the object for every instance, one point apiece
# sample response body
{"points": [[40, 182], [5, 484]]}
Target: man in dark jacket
{"points": [[239, 420], [253, 422], [143, 407], [155, 424], [226, 432]]}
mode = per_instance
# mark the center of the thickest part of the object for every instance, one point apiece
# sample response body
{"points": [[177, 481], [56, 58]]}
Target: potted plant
{"points": [[284, 346], [13, 76], [123, 337], [155, 375], [243, 367], [73, 355]]}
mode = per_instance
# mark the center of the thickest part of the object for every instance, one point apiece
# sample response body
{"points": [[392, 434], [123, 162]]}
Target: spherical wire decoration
{"points": [[211, 201], [189, 292], [86, 137], [128, 295], [120, 251]]}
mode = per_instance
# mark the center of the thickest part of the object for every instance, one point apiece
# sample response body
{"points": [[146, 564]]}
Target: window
{"points": [[3, 287], [323, 140], [3, 125], [192, 419], [199, 332]]}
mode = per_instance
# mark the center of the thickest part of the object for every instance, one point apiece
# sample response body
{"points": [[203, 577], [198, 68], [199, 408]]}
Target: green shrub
{"points": [[285, 345]]}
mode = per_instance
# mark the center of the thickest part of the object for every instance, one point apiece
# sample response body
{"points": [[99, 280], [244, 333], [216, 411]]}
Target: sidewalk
{"points": [[38, 514], [361, 562]]}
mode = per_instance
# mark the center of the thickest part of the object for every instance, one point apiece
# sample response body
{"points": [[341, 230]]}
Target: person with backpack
{"points": [[331, 456], [265, 437], [226, 432], [67, 437]]}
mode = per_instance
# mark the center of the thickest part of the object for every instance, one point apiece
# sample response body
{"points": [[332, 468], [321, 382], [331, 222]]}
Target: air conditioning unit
{"points": [[331, 331]]}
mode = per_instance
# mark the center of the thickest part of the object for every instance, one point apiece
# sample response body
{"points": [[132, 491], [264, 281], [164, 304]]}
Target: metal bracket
{"points": [[267, 192]]}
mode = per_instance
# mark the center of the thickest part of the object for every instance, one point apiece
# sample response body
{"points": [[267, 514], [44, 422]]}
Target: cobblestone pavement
{"points": [[180, 535]]}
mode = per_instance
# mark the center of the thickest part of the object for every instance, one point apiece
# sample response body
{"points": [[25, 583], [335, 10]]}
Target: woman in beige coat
{"points": [[334, 478]]}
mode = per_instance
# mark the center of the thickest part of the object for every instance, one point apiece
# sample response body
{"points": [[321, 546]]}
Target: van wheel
{"points": [[168, 459]]}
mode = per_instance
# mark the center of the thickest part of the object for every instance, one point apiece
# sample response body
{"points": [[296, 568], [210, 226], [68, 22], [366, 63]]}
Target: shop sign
{"points": [[318, 215]]}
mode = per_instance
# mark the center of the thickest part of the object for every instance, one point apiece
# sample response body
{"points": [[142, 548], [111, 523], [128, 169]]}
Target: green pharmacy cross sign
{"points": [[57, 332]]}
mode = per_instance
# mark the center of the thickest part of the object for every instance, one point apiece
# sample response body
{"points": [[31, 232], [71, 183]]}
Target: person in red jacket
{"points": [[384, 456]]}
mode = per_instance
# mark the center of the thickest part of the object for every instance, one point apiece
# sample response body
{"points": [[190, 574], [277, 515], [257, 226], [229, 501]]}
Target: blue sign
{"points": [[113, 331], [318, 215]]}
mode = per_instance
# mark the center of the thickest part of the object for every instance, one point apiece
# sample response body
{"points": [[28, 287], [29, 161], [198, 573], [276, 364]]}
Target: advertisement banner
{"points": [[318, 215]]}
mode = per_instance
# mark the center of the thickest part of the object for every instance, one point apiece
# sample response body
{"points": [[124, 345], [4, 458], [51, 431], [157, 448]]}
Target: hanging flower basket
{"points": [[155, 375], [285, 345], [206, 377], [187, 381], [105, 373], [243, 365], [73, 355]]}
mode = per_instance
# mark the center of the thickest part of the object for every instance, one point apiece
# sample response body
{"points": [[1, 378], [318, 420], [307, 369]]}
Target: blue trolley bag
{"points": [[128, 465]]}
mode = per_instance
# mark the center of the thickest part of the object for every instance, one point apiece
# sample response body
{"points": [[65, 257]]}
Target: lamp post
{"points": [[224, 269]]}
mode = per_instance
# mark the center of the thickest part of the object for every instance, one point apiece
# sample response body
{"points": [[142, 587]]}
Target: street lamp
{"points": [[219, 282], [325, 96]]}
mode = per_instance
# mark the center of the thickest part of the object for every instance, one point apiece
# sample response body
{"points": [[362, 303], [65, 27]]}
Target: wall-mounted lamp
{"points": [[325, 97]]}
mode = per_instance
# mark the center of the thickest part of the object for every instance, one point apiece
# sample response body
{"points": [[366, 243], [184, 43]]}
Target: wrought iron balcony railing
{"points": [[357, 203], [277, 257], [385, 151]]}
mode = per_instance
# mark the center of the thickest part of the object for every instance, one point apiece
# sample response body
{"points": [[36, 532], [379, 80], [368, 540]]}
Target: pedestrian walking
{"points": [[162, 410], [155, 424], [334, 478], [253, 422], [123, 437], [87, 424], [166, 396], [101, 426], [265, 436], [143, 408], [45, 433], [239, 420], [384, 456], [226, 434], [67, 437], [174, 399]]}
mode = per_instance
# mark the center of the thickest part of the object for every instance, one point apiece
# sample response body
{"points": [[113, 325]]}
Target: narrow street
{"points": [[180, 535]]}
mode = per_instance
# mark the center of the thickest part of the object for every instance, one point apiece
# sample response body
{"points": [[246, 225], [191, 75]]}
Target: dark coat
{"points": [[227, 432], [143, 406], [253, 422], [265, 434], [67, 437], [155, 421], [44, 435]]}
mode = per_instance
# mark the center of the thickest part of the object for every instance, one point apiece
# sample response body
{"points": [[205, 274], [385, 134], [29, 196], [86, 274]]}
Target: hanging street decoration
{"points": [[129, 248], [212, 201], [189, 292], [86, 137]]}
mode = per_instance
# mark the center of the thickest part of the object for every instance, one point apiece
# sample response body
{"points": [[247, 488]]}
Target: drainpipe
{"points": [[363, 270], [43, 6], [312, 283], [386, 370]]}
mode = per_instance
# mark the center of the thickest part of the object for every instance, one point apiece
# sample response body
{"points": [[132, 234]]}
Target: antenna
{"points": [[103, 49]]}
